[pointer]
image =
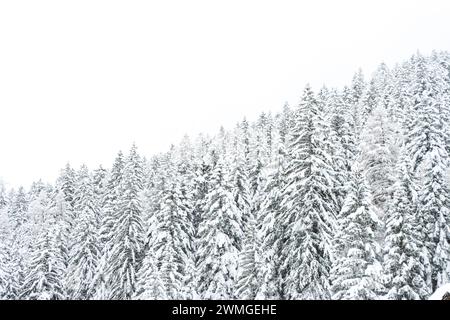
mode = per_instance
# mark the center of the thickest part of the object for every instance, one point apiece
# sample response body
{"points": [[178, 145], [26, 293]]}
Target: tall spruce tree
{"points": [[353, 275], [425, 142], [44, 279], [221, 237], [403, 263], [308, 206], [126, 239], [85, 252]]}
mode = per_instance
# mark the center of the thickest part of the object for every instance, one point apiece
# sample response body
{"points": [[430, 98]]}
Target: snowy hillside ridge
{"points": [[443, 293], [343, 196]]}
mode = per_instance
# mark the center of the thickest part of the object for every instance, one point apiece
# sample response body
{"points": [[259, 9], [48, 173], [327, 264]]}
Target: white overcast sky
{"points": [[80, 80]]}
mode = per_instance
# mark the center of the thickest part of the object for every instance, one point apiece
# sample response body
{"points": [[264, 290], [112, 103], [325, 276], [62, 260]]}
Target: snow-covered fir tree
{"points": [[404, 269], [272, 232], [45, 277], [172, 238], [425, 142], [220, 236], [354, 272], [85, 251], [308, 206], [125, 240]]}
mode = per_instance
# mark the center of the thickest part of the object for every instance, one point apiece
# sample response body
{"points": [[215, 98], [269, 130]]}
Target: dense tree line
{"points": [[344, 196]]}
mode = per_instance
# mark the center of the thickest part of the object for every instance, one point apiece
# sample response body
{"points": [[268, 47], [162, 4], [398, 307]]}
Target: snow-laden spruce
{"points": [[308, 206], [354, 272], [221, 237], [125, 240], [85, 251], [403, 263]]}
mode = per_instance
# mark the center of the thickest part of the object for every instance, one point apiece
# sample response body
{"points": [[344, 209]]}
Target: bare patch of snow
{"points": [[439, 293]]}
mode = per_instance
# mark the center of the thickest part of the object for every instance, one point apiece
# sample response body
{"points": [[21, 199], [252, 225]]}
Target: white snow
{"points": [[439, 293]]}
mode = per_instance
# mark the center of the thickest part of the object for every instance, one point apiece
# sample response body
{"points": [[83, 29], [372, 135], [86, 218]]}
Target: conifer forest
{"points": [[345, 195]]}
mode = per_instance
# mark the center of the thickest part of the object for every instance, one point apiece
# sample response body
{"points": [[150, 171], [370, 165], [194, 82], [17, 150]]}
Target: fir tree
{"points": [[425, 143], [44, 279], [403, 255], [308, 206], [353, 274], [221, 235], [85, 252], [150, 286], [126, 237], [378, 155], [272, 231]]}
